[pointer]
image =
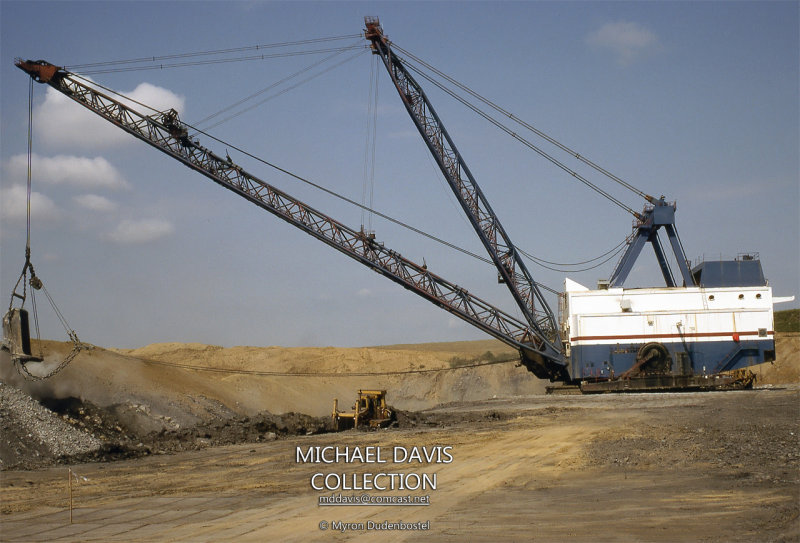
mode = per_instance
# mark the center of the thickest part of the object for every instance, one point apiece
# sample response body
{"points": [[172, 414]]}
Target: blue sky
{"points": [[697, 101]]}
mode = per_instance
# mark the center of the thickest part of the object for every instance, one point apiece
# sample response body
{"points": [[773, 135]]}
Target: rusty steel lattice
{"points": [[512, 270], [167, 133]]}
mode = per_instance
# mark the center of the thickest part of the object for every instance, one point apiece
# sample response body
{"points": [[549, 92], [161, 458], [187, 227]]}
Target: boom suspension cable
{"points": [[527, 125], [368, 187], [296, 176], [287, 89], [209, 52], [221, 61], [524, 141], [264, 90]]}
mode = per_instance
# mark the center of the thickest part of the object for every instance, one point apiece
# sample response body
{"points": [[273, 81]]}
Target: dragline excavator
{"points": [[613, 338]]}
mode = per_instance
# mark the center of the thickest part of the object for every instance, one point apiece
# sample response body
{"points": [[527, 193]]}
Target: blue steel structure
{"points": [[660, 215]]}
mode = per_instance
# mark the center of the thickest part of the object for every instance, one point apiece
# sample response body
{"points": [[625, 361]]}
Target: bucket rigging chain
{"points": [[16, 327]]}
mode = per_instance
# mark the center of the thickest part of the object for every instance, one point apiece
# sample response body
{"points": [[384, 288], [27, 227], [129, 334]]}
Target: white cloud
{"points": [[14, 205], [140, 231], [62, 123], [364, 293], [95, 202], [453, 323], [626, 40], [76, 171]]}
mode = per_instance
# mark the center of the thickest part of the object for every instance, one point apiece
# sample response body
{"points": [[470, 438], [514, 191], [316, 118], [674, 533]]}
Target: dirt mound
{"points": [[33, 435], [258, 429], [786, 368], [168, 384], [172, 397], [72, 430]]}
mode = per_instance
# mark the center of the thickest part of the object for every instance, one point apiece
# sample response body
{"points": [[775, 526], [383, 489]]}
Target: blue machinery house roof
{"points": [[742, 272]]}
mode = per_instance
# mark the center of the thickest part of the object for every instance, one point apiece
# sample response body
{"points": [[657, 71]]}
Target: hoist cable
{"points": [[266, 373], [211, 52], [30, 169], [35, 282], [23, 277], [522, 140], [527, 125]]}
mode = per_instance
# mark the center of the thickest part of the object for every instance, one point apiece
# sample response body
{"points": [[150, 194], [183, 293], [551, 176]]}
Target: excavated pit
{"points": [[110, 405]]}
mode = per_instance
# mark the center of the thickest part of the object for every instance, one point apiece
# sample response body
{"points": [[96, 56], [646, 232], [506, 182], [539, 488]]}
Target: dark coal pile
{"points": [[32, 435], [70, 430], [259, 428]]}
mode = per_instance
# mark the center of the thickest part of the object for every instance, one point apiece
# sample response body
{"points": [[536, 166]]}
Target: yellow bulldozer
{"points": [[370, 410]]}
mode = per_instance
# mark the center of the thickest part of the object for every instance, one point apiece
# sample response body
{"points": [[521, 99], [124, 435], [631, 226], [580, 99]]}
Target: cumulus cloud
{"points": [[140, 231], [628, 41], [95, 202], [453, 323], [14, 205], [76, 171], [62, 123]]}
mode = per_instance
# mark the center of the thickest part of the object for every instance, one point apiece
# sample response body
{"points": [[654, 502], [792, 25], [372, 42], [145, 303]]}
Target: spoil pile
{"points": [[110, 405], [74, 430], [31, 434]]}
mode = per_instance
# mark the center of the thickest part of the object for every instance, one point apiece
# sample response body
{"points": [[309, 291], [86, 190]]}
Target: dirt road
{"points": [[669, 467]]}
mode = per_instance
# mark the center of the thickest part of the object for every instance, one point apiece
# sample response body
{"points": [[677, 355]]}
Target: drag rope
{"points": [[323, 374]]}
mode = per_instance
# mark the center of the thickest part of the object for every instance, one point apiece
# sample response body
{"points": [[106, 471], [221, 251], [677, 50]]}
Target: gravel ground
{"points": [[707, 467]]}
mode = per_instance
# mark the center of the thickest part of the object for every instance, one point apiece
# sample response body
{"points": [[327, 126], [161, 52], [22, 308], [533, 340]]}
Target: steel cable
{"points": [[527, 125], [344, 198], [524, 141], [209, 52], [287, 89], [323, 374], [220, 61], [268, 88]]}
